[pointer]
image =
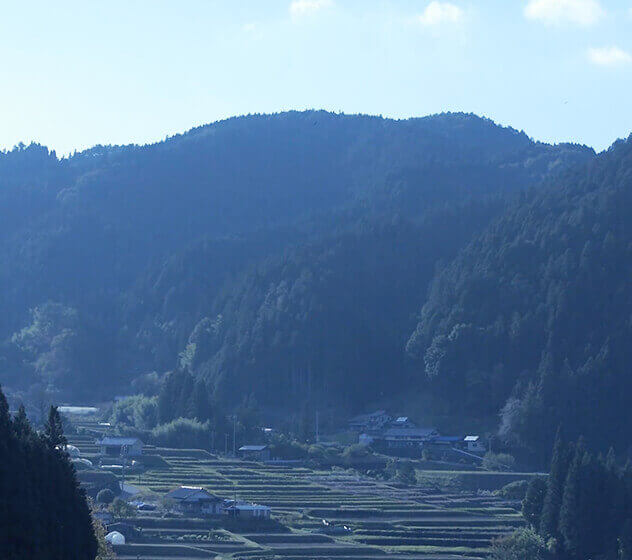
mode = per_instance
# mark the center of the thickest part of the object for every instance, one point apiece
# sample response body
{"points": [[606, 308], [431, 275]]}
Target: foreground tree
{"points": [[43, 512]]}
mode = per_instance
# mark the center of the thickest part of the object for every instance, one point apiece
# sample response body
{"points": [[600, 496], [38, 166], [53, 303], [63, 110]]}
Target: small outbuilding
{"points": [[474, 444], [248, 511], [254, 453], [120, 447]]}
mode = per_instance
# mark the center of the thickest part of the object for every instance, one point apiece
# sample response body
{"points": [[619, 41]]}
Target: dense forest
{"points": [[534, 315], [286, 258], [43, 512], [582, 509]]}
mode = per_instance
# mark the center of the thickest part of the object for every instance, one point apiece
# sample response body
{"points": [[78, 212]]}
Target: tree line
{"points": [[582, 510], [43, 512]]}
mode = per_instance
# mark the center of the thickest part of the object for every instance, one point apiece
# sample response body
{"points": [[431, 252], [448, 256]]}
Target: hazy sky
{"points": [[74, 74]]}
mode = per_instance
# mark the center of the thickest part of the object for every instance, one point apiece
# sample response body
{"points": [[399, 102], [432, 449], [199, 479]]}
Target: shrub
{"points": [[524, 544], [138, 411], [498, 461], [283, 447], [354, 453], [182, 433], [105, 496], [120, 508], [516, 490], [406, 473]]}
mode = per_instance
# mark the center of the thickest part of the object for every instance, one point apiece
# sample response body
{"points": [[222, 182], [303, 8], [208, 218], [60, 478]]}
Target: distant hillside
{"points": [[536, 313], [119, 252]]}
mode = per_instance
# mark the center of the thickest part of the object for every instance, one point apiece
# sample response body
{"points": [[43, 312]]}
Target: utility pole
{"points": [[317, 435], [234, 434], [124, 452], [225, 444]]}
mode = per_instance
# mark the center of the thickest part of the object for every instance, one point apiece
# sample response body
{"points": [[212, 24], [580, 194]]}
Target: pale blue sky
{"points": [[75, 74]]}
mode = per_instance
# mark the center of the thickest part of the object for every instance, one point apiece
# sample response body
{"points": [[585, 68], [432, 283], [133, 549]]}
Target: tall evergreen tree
{"points": [[43, 512], [570, 516], [534, 501], [53, 429], [555, 485], [21, 424]]}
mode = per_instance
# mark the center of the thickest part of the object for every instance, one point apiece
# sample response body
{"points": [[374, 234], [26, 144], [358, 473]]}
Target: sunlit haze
{"points": [[75, 74]]}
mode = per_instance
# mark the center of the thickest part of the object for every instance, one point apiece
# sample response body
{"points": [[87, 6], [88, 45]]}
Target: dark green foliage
{"points": [[138, 412], [524, 544], [534, 316], [105, 496], [534, 501], [183, 433], [515, 490], [406, 473], [284, 447], [549, 519], [180, 397], [571, 510], [498, 461], [121, 509], [131, 256], [53, 429], [625, 541], [592, 517], [43, 512]]}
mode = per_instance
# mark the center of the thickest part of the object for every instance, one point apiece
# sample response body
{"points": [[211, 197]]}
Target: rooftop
{"points": [[411, 432], [253, 447], [363, 417], [119, 441], [191, 494]]}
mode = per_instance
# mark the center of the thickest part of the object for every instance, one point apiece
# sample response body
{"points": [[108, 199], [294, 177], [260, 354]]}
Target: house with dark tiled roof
{"points": [[195, 500]]}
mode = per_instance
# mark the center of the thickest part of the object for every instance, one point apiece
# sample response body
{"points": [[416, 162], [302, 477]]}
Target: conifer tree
{"points": [[534, 501], [555, 485], [21, 424], [570, 518], [43, 512], [53, 430]]}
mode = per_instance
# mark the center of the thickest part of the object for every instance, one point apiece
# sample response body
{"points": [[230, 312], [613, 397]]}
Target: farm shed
{"points": [[254, 452]]}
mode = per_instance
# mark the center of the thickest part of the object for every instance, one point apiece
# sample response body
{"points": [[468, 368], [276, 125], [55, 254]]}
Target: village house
{"points": [[120, 447], [398, 438], [248, 511], [254, 452], [370, 422], [195, 500]]}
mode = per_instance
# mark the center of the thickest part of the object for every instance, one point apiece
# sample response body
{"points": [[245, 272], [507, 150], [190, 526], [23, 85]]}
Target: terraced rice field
{"points": [[386, 521]]}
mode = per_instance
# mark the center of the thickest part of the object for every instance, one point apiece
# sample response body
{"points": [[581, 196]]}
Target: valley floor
{"points": [[386, 520]]}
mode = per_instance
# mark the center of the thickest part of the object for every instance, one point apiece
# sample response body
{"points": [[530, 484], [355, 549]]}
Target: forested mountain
{"points": [[535, 315], [327, 321], [282, 255]]}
